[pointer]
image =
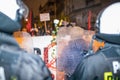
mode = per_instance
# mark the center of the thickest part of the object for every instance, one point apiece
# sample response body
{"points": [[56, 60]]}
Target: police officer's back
{"points": [[105, 63], [15, 63]]}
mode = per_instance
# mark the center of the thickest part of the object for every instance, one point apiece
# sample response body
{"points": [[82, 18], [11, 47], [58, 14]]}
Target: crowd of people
{"points": [[81, 54]]}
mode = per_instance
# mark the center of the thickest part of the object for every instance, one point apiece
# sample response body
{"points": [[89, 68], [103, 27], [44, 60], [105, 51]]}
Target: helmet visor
{"points": [[23, 9]]}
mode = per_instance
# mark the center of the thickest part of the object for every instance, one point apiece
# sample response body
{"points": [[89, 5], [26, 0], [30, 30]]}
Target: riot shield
{"points": [[70, 45]]}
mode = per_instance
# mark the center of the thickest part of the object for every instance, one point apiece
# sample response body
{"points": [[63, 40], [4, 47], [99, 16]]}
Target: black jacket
{"points": [[15, 63], [103, 65]]}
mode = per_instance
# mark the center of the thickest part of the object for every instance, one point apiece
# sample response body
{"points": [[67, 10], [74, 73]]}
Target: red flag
{"points": [[89, 20], [29, 22]]}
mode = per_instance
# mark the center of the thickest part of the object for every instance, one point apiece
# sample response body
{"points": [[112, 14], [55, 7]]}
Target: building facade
{"points": [[78, 11]]}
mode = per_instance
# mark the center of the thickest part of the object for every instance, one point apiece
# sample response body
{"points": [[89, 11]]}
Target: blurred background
{"points": [[80, 12]]}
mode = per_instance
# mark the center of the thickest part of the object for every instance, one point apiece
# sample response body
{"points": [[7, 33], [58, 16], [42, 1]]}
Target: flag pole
{"points": [[45, 27]]}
